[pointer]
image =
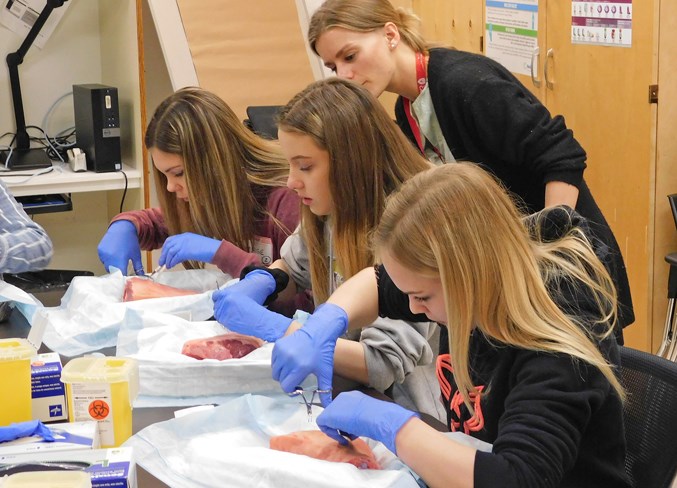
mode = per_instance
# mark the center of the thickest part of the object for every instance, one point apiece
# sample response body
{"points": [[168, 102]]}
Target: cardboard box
{"points": [[67, 436], [49, 394], [109, 468]]}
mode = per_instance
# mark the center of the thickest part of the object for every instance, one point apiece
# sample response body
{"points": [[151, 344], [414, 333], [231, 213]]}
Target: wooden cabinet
{"points": [[603, 93]]}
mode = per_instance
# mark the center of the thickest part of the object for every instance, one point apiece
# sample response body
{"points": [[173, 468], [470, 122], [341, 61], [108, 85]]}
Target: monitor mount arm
{"points": [[23, 157]]}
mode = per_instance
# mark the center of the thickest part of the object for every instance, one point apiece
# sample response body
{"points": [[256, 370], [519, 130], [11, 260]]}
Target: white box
{"points": [[67, 436], [49, 394], [109, 468]]}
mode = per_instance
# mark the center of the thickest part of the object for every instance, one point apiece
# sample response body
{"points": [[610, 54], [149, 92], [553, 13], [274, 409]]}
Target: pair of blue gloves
{"points": [[120, 245], [309, 350]]}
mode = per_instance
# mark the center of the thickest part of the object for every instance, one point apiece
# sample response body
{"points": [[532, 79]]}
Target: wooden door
{"points": [[665, 235], [603, 94], [452, 23]]}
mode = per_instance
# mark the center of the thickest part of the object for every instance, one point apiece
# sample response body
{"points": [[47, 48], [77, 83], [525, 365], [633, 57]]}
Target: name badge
{"points": [[263, 246]]}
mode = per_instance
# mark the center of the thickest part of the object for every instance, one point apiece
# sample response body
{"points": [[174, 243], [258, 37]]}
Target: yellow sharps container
{"points": [[15, 380], [102, 389]]}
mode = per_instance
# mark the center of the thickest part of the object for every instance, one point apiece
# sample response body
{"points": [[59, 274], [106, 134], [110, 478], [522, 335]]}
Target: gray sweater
{"points": [[398, 353]]}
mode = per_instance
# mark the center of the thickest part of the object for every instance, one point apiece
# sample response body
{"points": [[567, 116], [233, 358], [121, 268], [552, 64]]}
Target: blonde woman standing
{"points": [[527, 367], [221, 189], [460, 106]]}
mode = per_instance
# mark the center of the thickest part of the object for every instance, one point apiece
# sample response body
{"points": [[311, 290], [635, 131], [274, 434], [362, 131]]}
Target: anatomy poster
{"points": [[604, 23], [512, 33]]}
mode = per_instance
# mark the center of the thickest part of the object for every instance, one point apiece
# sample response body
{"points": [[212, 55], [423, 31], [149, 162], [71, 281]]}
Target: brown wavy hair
{"points": [[222, 160]]}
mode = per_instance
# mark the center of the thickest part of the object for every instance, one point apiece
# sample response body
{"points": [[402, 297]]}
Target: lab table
{"points": [[17, 326]]}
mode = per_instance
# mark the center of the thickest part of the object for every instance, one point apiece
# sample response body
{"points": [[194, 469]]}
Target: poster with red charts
{"points": [[601, 22]]}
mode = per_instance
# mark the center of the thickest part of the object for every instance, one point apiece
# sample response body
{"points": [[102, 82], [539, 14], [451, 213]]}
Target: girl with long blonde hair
{"points": [[528, 366]]}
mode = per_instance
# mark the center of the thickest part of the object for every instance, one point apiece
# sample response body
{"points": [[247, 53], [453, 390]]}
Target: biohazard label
{"points": [[94, 401]]}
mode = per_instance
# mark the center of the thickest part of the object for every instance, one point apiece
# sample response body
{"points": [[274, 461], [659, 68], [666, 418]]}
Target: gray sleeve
{"points": [[393, 348], [294, 253]]}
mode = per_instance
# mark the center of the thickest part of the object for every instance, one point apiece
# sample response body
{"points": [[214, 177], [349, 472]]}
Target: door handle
{"points": [[548, 55], [534, 61]]}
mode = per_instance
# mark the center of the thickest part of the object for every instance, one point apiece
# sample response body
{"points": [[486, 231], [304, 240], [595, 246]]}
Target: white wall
{"points": [[71, 56], [95, 42]]}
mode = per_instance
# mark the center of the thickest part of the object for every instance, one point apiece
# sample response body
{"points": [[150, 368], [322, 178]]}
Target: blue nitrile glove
{"points": [[310, 350], [243, 315], [361, 415], [120, 245], [188, 247], [25, 429], [257, 285]]}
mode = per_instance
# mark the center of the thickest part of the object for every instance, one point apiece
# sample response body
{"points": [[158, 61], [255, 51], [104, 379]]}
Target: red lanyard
{"points": [[421, 80]]}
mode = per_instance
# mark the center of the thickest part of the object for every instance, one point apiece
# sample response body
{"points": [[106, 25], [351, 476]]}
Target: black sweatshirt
{"points": [[554, 421]]}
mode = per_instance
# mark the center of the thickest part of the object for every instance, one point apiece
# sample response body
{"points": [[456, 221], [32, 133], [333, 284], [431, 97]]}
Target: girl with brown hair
{"points": [[221, 190]]}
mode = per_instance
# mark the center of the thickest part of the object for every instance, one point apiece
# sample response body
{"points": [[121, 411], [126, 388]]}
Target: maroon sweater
{"points": [[281, 202]]}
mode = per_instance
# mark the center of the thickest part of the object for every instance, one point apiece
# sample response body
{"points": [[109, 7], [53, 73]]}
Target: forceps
{"points": [[298, 391]]}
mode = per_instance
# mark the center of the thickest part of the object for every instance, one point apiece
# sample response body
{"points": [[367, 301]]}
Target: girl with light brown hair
{"points": [[345, 157], [221, 190]]}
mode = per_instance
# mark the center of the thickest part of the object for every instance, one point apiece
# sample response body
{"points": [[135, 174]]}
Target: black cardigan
{"points": [[488, 117]]}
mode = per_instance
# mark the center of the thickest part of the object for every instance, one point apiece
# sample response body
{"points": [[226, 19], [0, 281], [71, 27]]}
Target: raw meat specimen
{"points": [[226, 346], [318, 445], [142, 288]]}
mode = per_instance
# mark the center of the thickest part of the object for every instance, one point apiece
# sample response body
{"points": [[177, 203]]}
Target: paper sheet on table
{"points": [[155, 341], [228, 446], [92, 311], [25, 302]]}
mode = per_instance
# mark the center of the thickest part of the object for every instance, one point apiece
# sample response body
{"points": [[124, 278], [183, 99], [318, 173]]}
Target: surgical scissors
{"points": [[299, 391], [157, 271]]}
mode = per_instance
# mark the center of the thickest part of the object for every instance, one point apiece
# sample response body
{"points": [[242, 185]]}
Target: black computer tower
{"points": [[97, 126]]}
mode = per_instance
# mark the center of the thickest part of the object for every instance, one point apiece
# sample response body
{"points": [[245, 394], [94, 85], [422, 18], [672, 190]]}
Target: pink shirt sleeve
{"points": [[284, 205]]}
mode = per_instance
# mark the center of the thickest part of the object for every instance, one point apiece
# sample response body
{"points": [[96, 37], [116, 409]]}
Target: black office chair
{"points": [[263, 120], [668, 348], [650, 415]]}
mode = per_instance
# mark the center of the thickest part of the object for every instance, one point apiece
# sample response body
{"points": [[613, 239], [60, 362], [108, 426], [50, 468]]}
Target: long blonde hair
{"points": [[369, 158], [222, 159], [456, 223], [365, 16]]}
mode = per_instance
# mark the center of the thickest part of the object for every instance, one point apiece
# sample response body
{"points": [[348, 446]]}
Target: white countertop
{"points": [[62, 180]]}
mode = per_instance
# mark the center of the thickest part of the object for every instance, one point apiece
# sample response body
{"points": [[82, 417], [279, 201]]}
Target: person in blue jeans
{"points": [[527, 363]]}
